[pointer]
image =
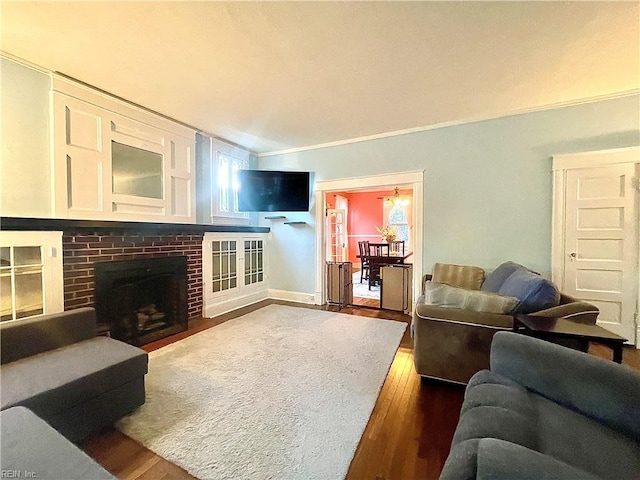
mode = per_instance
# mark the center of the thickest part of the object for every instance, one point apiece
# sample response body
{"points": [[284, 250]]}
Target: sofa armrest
{"points": [[425, 278], [30, 336], [580, 312], [598, 388]]}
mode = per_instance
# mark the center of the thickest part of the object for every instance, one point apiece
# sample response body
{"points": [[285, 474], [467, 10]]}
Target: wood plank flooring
{"points": [[408, 435]]}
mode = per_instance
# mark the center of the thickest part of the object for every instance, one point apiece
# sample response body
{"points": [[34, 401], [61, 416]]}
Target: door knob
{"points": [[573, 255]]}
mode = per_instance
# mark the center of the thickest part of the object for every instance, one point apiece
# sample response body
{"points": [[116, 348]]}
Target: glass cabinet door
{"points": [[224, 272], [30, 274]]}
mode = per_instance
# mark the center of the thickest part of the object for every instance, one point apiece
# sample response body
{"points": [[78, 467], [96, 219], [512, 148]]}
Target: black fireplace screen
{"points": [[142, 300]]}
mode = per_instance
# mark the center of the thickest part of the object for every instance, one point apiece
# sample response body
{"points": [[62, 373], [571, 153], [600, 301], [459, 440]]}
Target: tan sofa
{"points": [[452, 344]]}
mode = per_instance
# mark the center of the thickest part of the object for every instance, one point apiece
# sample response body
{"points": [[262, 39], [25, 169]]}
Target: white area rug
{"points": [[280, 393], [362, 289]]}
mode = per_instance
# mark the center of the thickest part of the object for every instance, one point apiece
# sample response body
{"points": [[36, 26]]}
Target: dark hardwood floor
{"points": [[408, 435]]}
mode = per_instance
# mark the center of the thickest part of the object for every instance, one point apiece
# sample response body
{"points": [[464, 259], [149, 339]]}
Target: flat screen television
{"points": [[273, 191]]}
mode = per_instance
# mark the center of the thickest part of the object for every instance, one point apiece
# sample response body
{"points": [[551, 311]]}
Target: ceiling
{"points": [[272, 76]]}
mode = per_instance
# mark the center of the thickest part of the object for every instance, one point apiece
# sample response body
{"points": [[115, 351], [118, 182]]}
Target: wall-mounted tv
{"points": [[273, 191]]}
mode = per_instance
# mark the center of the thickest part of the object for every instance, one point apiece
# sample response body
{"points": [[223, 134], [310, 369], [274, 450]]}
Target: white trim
{"points": [[382, 180], [23, 62], [414, 178], [597, 158], [287, 295], [453, 123], [112, 104], [234, 303]]}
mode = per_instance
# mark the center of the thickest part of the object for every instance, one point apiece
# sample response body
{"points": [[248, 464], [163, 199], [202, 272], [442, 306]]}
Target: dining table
{"points": [[378, 261]]}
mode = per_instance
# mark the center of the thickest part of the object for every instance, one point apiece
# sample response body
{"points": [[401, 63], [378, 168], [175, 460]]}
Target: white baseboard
{"points": [[234, 303], [289, 296]]}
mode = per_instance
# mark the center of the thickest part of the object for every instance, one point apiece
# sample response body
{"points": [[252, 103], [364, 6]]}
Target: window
{"points": [[398, 219], [30, 274], [226, 182]]}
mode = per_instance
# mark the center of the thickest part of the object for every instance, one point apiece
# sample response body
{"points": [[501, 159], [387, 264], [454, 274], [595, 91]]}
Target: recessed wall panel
{"points": [[609, 311], [600, 249], [601, 187], [600, 218], [180, 198], [609, 281], [84, 183], [83, 129]]}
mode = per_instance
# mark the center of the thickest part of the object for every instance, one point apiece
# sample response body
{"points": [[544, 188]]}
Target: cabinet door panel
{"points": [[83, 129], [181, 185], [180, 197], [85, 179], [80, 169]]}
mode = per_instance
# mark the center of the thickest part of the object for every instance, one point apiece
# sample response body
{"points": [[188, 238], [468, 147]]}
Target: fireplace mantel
{"points": [[19, 223]]}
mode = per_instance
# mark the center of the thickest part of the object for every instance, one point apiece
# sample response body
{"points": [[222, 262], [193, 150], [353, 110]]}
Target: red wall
{"points": [[365, 214]]}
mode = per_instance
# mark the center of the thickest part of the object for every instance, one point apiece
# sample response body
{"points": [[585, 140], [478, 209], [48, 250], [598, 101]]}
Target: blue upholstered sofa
{"points": [[544, 411]]}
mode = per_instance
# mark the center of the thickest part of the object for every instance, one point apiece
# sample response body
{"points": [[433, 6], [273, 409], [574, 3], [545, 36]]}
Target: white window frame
{"points": [[224, 198], [50, 244]]}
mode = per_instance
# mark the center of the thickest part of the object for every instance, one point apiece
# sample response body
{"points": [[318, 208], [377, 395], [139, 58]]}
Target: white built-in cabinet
{"points": [[234, 270], [31, 275], [114, 161]]}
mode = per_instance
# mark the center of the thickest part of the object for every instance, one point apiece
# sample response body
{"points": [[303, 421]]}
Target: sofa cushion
{"points": [[541, 425], [462, 276], [534, 292], [490, 458], [494, 281], [473, 300], [55, 381], [29, 444], [497, 460]]}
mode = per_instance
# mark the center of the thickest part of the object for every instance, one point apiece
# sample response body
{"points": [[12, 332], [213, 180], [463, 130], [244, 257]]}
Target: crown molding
{"points": [[453, 123]]}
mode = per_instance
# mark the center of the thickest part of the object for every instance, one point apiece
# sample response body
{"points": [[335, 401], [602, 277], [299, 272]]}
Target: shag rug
{"points": [[280, 393], [362, 289]]}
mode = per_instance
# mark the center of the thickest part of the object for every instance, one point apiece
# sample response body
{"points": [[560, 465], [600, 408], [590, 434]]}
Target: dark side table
{"points": [[547, 328]]}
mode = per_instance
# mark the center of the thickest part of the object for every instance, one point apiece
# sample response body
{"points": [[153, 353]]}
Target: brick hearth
{"points": [[81, 250]]}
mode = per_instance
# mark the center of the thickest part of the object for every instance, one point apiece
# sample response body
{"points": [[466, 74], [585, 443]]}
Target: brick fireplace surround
{"points": [[85, 242], [82, 249]]}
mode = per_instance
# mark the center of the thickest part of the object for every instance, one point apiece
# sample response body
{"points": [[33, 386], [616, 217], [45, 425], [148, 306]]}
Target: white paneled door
{"points": [[601, 242]]}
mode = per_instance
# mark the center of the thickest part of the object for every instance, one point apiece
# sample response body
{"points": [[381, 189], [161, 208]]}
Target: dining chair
{"points": [[363, 247], [398, 246], [379, 249]]}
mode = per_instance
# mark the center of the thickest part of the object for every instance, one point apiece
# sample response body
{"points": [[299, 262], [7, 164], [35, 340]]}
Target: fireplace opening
{"points": [[140, 301]]}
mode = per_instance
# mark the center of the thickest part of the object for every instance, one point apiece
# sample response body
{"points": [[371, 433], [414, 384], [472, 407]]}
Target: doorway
{"points": [[383, 187], [596, 245]]}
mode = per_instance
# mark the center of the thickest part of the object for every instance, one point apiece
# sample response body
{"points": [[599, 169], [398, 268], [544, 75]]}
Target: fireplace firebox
{"points": [[140, 301]]}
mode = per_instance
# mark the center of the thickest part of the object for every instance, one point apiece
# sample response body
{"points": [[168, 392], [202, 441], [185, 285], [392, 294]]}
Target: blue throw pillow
{"points": [[494, 281], [534, 292]]}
